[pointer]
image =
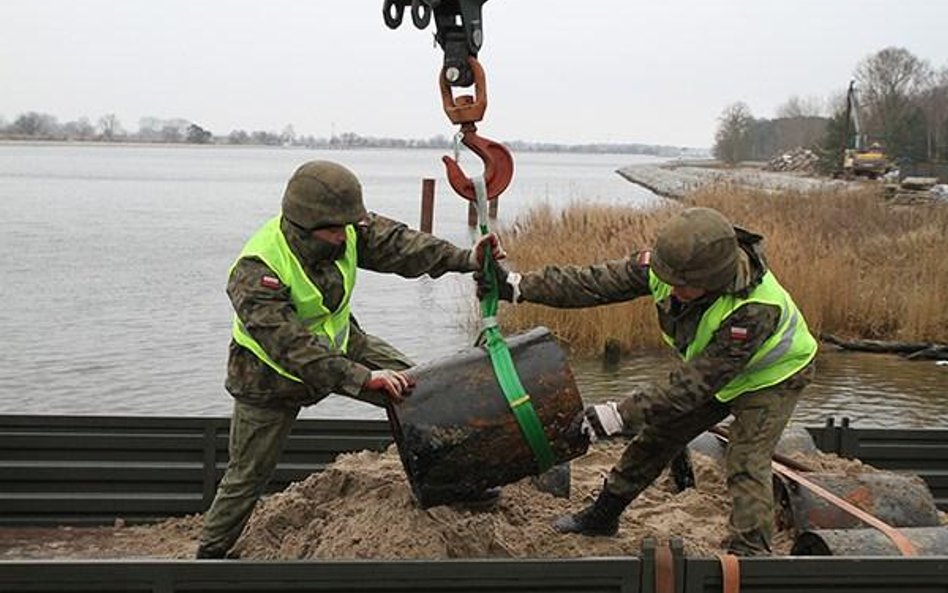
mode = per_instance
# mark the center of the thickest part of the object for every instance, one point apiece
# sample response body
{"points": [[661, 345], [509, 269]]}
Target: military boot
{"points": [[208, 553], [599, 518], [748, 543], [205, 553]]}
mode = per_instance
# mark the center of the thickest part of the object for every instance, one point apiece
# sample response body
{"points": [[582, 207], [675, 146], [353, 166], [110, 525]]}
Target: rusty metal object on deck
{"points": [[708, 445], [456, 434], [898, 500], [794, 439], [928, 541]]}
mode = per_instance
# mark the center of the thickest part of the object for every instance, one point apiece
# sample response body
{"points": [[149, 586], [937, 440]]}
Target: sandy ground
{"points": [[361, 507]]}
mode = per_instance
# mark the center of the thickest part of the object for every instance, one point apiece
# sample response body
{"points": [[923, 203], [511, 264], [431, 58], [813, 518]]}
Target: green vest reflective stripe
{"points": [[787, 351], [329, 327]]}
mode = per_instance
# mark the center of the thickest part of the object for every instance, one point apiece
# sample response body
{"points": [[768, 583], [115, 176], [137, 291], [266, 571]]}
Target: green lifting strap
{"points": [[504, 369]]}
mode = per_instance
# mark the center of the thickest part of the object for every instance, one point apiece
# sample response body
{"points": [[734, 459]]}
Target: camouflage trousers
{"points": [[666, 428], [256, 441]]}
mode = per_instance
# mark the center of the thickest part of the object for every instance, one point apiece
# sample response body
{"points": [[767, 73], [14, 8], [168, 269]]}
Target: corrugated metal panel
{"points": [[815, 575], [614, 575], [589, 575], [94, 469]]}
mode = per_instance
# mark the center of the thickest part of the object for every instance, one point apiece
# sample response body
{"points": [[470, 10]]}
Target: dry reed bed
{"points": [[857, 266]]}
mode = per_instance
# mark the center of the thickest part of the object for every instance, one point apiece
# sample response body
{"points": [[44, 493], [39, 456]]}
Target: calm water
{"points": [[115, 261]]}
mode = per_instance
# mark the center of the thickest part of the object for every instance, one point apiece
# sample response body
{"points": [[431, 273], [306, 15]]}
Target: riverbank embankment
{"points": [[676, 180]]}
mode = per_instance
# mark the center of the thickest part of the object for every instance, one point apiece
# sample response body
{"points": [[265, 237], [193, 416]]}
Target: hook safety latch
{"points": [[498, 165]]}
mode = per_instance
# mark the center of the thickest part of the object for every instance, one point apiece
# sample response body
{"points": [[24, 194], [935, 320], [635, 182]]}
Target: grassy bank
{"points": [[857, 266]]}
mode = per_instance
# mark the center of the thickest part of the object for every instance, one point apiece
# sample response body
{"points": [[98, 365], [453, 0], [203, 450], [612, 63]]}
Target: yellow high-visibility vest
{"points": [[787, 351], [269, 245]]}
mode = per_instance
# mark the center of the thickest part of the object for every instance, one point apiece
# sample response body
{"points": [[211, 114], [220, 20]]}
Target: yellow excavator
{"points": [[860, 160]]}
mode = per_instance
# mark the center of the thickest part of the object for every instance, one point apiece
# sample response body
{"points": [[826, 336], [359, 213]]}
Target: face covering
{"points": [[326, 251], [308, 247]]}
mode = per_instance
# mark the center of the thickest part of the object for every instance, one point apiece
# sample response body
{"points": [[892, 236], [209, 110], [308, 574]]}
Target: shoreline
{"points": [[676, 180]]}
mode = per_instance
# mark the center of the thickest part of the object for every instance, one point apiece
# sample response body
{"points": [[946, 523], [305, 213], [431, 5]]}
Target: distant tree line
{"points": [[43, 126], [902, 103], [108, 128]]}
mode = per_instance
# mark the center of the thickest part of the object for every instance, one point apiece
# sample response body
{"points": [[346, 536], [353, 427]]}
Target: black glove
{"points": [[682, 471], [508, 283]]}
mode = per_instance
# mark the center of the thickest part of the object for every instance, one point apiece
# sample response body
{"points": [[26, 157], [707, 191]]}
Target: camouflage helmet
{"points": [[697, 248], [321, 194]]}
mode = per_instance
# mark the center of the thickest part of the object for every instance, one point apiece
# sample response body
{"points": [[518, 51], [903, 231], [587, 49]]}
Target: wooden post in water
{"points": [[611, 354], [427, 204]]}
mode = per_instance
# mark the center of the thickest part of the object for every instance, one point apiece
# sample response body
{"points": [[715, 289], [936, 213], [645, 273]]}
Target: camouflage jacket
{"points": [[621, 280], [267, 312]]}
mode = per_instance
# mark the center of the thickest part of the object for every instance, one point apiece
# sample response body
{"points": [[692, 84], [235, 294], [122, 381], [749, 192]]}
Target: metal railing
{"points": [[59, 470], [645, 574], [90, 470], [94, 469]]}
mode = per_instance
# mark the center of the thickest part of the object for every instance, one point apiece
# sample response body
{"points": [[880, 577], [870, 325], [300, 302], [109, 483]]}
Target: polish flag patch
{"points": [[645, 258], [739, 334], [270, 282]]}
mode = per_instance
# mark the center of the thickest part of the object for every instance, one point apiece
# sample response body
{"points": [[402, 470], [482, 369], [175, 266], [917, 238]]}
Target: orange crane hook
{"points": [[498, 165], [466, 110]]}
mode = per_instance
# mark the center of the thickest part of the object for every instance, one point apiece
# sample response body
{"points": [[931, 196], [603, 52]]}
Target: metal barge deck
{"points": [[88, 470]]}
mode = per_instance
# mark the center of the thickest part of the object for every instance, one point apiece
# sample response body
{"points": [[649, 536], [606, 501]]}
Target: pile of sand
{"points": [[361, 507]]}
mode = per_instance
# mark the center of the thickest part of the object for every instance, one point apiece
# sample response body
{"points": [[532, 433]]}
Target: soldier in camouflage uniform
{"points": [[294, 338], [746, 352]]}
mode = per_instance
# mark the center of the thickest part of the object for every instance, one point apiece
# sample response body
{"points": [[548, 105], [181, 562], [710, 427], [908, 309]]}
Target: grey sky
{"points": [[653, 71]]}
